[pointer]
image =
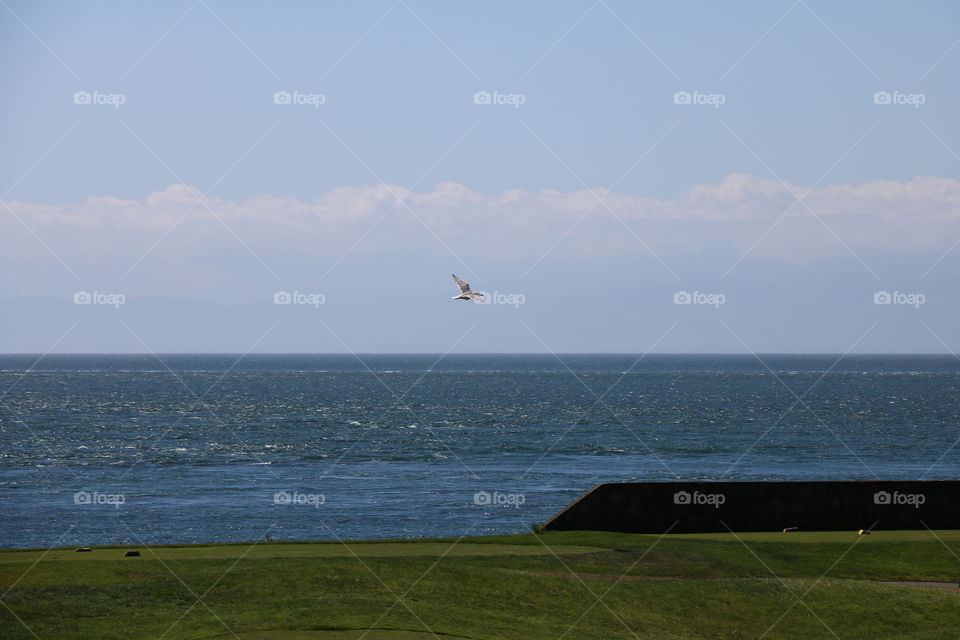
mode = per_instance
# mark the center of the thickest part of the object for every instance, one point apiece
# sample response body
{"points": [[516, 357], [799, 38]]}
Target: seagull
{"points": [[465, 293]]}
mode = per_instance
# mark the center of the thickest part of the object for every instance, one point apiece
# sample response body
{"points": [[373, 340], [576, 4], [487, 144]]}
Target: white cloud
{"points": [[176, 194], [922, 214]]}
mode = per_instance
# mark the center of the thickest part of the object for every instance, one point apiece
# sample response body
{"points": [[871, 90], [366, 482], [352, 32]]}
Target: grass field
{"points": [[565, 584]]}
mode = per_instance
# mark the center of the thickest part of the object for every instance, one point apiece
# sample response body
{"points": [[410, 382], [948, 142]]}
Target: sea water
{"points": [[139, 449]]}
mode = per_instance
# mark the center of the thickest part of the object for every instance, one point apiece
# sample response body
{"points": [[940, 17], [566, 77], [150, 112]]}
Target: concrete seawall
{"points": [[703, 507]]}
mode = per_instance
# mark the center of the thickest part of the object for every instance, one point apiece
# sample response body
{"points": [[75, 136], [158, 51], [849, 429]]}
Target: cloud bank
{"points": [[182, 229]]}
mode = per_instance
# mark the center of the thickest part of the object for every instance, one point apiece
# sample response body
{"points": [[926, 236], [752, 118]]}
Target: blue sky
{"points": [[292, 198]]}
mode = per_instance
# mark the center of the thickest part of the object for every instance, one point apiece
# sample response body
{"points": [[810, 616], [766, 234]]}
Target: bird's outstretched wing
{"points": [[464, 287]]}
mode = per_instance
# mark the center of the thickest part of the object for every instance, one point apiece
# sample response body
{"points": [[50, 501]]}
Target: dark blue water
{"points": [[129, 449]]}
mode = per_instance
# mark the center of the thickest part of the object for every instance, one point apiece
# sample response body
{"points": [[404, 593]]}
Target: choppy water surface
{"points": [[129, 449]]}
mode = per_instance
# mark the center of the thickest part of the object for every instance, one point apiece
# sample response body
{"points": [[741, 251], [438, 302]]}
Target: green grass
{"points": [[582, 584]]}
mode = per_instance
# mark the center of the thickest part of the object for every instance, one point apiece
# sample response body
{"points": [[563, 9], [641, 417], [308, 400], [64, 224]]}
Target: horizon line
{"points": [[473, 353]]}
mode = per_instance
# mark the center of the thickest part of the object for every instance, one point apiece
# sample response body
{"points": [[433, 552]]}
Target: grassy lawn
{"points": [[565, 584]]}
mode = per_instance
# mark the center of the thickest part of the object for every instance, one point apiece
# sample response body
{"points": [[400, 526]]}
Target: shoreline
{"points": [[528, 539]]}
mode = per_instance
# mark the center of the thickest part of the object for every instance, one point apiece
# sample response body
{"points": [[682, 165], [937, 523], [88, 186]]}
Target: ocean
{"points": [[136, 449]]}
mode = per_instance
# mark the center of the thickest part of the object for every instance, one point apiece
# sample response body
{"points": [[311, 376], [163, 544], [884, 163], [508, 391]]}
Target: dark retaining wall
{"points": [[701, 507]]}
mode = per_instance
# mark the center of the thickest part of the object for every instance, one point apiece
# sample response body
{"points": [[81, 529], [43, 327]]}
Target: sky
{"points": [[212, 176]]}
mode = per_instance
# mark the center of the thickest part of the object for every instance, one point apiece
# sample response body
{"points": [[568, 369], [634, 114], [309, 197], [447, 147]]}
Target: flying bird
{"points": [[465, 293]]}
